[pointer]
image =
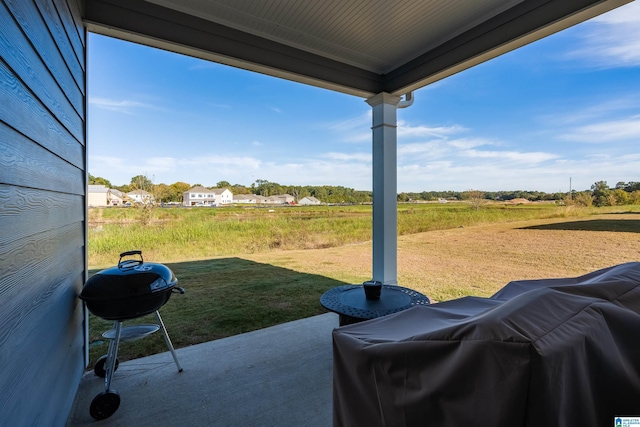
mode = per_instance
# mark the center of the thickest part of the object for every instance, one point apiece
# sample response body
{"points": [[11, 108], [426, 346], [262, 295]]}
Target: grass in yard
{"points": [[223, 297], [199, 233], [458, 254]]}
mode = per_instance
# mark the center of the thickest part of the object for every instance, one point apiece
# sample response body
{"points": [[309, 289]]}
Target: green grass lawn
{"points": [[200, 233], [228, 294], [225, 296]]}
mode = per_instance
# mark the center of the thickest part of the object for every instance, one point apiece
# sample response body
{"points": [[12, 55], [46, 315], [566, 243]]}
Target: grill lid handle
{"points": [[130, 263]]}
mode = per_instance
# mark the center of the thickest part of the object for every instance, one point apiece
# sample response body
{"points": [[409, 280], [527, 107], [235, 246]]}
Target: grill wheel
{"points": [[104, 404], [99, 369]]}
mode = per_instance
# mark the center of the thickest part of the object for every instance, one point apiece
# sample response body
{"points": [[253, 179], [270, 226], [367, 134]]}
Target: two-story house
{"points": [[201, 196]]}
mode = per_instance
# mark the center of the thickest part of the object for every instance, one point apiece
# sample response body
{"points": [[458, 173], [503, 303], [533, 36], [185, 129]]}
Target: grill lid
{"points": [[129, 279]]}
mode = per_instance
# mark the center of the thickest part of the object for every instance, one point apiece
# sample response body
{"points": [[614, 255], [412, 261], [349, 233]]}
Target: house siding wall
{"points": [[42, 209]]}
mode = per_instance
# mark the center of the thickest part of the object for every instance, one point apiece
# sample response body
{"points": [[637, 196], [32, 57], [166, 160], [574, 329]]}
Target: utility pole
{"points": [[570, 190]]}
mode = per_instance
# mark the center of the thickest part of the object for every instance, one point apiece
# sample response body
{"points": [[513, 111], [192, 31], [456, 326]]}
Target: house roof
{"points": [[311, 199], [360, 47], [200, 189], [95, 188], [219, 190], [138, 192]]}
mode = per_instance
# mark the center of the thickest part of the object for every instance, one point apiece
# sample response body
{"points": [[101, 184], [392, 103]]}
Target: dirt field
{"points": [[480, 260]]}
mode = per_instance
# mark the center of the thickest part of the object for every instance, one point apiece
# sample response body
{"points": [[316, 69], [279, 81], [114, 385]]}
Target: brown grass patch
{"points": [[478, 260]]}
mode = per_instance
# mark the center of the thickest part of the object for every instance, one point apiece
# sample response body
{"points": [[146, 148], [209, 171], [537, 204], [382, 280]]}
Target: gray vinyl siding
{"points": [[42, 209]]}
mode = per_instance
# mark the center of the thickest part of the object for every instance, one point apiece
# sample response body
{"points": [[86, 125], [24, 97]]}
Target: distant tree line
{"points": [[600, 194], [533, 196], [624, 193], [173, 192]]}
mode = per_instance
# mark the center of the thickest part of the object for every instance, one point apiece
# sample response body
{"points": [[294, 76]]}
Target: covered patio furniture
{"points": [[554, 352]]}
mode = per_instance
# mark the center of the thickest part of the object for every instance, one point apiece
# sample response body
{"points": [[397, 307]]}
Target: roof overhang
{"points": [[345, 45]]}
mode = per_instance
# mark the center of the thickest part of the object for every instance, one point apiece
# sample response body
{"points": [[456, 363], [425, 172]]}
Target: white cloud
{"points": [[119, 170], [215, 162], [121, 106], [512, 156], [466, 143], [613, 39], [360, 157], [606, 131], [160, 163], [225, 106], [423, 150], [356, 129], [617, 106], [405, 130]]}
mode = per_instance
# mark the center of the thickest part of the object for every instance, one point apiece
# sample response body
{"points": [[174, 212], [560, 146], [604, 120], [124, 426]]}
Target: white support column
{"points": [[385, 192]]}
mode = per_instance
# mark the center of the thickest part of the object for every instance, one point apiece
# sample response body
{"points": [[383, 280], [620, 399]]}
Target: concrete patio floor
{"points": [[278, 376]]}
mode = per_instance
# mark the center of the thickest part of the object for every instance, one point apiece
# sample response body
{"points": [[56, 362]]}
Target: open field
{"points": [[181, 234], [231, 294]]}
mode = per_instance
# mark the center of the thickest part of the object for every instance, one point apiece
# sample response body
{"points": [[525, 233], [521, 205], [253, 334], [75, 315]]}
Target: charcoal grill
{"points": [[131, 289]]}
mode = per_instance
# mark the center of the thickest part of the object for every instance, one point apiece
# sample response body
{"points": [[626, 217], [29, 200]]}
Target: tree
{"points": [[601, 192], [163, 193], [404, 197], [96, 180], [141, 182], [178, 189], [223, 184], [239, 189], [266, 188], [620, 196], [145, 204], [583, 199], [476, 197], [297, 192]]}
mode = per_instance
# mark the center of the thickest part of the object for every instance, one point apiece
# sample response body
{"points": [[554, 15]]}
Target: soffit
{"points": [[361, 47], [375, 35]]}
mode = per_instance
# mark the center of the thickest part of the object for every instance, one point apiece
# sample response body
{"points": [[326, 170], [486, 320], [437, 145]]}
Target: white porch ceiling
{"points": [[361, 47], [374, 35]]}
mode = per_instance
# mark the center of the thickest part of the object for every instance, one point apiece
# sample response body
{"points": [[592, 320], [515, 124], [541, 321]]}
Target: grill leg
{"points": [[112, 355], [168, 341]]}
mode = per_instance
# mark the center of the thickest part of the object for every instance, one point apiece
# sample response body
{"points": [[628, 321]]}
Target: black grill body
{"points": [[131, 289]]}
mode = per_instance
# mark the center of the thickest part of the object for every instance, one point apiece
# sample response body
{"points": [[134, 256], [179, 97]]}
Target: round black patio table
{"points": [[350, 303]]}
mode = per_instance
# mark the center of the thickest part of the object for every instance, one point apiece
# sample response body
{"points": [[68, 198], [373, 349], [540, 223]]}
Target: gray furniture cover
{"points": [[548, 353]]}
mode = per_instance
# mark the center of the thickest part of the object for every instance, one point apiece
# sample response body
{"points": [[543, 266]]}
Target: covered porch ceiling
{"points": [[358, 47]]}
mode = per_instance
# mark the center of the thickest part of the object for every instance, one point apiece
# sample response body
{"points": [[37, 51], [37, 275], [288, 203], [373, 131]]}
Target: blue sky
{"points": [[564, 108]]}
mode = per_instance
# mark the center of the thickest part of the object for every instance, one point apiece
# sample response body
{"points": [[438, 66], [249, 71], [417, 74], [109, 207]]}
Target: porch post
{"points": [[385, 197]]}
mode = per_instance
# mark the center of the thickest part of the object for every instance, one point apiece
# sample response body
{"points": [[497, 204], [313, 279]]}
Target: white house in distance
{"points": [[100, 195], [200, 196], [309, 200], [97, 195], [115, 197], [140, 196], [280, 199], [247, 198]]}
